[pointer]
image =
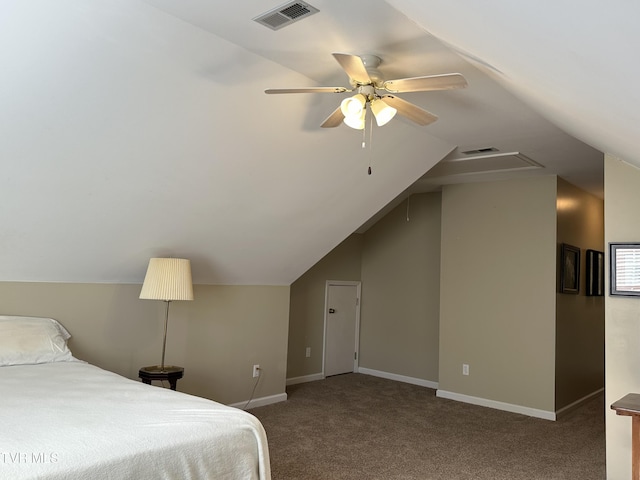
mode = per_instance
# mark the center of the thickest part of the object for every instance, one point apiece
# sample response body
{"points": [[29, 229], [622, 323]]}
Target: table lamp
{"points": [[167, 279]]}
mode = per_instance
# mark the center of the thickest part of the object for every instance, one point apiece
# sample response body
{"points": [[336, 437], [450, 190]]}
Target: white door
{"points": [[342, 312]]}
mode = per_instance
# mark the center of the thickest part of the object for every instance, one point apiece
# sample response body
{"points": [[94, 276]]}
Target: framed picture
{"points": [[625, 269], [595, 273], [569, 269]]}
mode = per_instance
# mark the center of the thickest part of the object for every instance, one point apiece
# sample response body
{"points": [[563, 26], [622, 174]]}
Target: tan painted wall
{"points": [[306, 322], [622, 314], [497, 301], [579, 318], [217, 338], [401, 290]]}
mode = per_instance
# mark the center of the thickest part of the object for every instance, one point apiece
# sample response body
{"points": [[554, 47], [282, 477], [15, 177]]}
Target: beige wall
{"points": [[497, 302], [401, 290], [622, 314], [579, 318], [306, 321], [499, 251], [217, 337]]}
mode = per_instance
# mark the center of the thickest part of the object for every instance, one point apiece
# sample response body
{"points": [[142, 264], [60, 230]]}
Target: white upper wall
{"points": [[128, 133]]}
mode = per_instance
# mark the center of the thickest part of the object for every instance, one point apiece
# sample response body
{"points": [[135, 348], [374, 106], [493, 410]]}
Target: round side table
{"points": [[155, 372]]}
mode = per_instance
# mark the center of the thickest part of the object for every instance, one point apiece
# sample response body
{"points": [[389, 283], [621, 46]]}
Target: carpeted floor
{"points": [[362, 427]]}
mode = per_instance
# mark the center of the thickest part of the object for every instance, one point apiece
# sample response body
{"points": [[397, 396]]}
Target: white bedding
{"points": [[72, 420]]}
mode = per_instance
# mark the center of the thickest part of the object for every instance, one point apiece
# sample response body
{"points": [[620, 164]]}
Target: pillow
{"points": [[31, 340]]}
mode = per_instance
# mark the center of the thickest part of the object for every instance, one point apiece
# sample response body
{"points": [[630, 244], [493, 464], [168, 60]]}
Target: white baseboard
{"points": [[578, 403], [261, 402], [398, 378], [305, 379], [507, 407], [368, 371]]}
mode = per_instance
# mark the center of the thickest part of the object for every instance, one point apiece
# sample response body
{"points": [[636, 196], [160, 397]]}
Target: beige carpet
{"points": [[361, 427]]}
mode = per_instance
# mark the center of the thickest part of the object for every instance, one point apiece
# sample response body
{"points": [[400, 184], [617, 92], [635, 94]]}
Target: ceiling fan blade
{"points": [[307, 90], [409, 110], [333, 120], [447, 81], [353, 65]]}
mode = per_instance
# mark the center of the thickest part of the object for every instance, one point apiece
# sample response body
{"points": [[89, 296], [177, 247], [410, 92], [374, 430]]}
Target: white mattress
{"points": [[72, 420]]}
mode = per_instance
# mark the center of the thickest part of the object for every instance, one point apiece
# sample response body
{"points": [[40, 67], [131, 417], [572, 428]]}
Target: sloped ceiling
{"points": [[572, 61], [133, 129]]}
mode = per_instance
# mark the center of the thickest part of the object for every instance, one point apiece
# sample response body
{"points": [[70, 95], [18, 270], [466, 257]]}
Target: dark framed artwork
{"points": [[624, 261], [594, 277], [569, 269]]}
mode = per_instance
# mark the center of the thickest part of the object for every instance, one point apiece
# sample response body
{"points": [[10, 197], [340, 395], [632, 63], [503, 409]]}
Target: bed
{"points": [[62, 418]]}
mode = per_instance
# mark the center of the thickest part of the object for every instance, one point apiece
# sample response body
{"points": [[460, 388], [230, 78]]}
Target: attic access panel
{"points": [[477, 164]]}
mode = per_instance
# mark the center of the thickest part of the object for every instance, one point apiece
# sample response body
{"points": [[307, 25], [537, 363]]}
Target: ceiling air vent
{"points": [[285, 15]]}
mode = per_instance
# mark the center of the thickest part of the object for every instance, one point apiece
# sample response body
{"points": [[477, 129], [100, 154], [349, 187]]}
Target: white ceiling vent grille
{"points": [[285, 15]]}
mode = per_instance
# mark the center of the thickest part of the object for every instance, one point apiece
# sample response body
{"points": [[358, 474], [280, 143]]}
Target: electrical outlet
{"points": [[256, 371], [465, 369], [308, 352]]}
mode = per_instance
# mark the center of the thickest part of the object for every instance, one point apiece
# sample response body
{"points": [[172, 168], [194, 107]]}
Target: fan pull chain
{"points": [[370, 142]]}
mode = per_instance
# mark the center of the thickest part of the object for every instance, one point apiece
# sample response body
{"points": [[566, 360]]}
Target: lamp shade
{"points": [[353, 106], [168, 279], [382, 112], [356, 121]]}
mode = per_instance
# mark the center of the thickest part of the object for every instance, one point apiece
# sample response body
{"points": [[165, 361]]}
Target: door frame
{"points": [[358, 286]]}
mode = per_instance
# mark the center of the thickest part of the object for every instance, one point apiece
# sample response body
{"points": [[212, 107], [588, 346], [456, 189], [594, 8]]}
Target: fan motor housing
{"points": [[368, 91], [371, 64]]}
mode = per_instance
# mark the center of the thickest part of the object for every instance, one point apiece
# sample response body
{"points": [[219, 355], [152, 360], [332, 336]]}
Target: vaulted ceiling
{"points": [[140, 128]]}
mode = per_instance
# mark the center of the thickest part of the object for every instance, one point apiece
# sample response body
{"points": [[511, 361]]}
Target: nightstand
{"points": [[155, 372]]}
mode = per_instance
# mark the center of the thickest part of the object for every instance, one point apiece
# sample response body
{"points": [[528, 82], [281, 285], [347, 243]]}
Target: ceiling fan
{"points": [[366, 80]]}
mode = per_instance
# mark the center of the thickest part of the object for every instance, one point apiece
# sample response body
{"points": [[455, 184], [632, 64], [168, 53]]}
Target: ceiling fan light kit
{"points": [[354, 110], [366, 80]]}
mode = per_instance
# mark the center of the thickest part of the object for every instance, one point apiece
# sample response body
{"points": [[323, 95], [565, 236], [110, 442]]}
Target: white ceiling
{"points": [[139, 128]]}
